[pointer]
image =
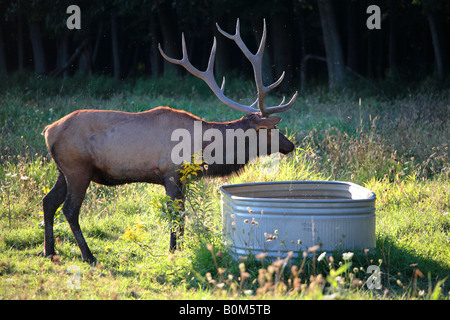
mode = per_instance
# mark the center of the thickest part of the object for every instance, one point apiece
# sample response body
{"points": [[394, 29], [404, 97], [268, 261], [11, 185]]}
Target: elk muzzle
{"points": [[285, 145]]}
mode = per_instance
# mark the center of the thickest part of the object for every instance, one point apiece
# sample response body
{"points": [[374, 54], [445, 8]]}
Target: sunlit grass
{"points": [[335, 139]]}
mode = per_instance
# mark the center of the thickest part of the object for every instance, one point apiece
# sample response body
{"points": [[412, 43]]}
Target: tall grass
{"points": [[397, 146]]}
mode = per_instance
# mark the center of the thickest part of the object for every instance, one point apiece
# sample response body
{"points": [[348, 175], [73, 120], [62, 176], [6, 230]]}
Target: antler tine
{"points": [[263, 40], [251, 57], [208, 76], [184, 61], [256, 61], [276, 83], [281, 107]]}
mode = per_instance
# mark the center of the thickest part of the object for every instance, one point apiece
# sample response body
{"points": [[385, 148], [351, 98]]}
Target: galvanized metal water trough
{"points": [[278, 217]]}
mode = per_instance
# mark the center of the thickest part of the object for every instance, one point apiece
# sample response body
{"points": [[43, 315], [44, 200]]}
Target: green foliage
{"points": [[168, 211], [127, 226], [357, 157]]}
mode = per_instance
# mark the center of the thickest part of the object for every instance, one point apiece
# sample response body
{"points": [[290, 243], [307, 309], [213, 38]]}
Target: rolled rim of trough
{"points": [[369, 195]]}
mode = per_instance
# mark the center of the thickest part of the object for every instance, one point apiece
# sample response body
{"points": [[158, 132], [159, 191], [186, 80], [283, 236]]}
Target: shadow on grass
{"points": [[400, 265]]}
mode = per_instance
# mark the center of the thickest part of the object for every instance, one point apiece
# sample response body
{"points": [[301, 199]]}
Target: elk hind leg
{"points": [[50, 204]]}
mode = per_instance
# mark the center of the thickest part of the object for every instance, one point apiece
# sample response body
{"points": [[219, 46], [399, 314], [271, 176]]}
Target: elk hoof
{"points": [[91, 260], [44, 255]]}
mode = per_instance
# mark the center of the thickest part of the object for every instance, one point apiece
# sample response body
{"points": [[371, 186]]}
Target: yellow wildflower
{"points": [[134, 233]]}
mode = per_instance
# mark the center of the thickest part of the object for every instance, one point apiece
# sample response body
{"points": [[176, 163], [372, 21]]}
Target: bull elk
{"points": [[114, 147]]}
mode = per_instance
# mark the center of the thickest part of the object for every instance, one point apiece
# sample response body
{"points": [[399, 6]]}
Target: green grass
{"points": [[397, 146]]}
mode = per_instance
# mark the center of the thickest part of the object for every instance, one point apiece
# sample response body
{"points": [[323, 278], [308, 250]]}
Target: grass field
{"points": [[395, 145]]}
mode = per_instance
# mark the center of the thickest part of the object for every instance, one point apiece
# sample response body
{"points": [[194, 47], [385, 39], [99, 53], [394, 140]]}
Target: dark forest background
{"points": [[312, 40]]}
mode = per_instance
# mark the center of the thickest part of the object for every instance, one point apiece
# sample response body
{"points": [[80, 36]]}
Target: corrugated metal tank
{"points": [[278, 217]]}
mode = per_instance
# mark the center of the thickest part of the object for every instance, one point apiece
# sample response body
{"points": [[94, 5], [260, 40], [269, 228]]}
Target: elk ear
{"points": [[268, 123]]}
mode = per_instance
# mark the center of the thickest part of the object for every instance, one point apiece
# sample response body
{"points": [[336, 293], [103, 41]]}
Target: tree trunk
{"points": [[20, 56], [40, 67], [62, 54], [438, 44], [115, 47], [393, 38], [71, 60], [3, 65], [97, 44], [352, 35], [332, 42], [282, 50], [85, 62], [155, 56], [168, 25], [380, 67], [370, 49], [303, 68], [303, 49], [222, 63]]}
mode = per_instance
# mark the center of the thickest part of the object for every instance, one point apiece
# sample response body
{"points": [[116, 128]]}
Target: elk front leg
{"points": [[174, 191], [76, 191]]}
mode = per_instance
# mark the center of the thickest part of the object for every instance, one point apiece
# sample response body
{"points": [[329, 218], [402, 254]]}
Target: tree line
{"points": [[308, 39]]}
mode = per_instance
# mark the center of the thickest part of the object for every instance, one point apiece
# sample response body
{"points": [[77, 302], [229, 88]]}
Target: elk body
{"points": [[114, 147]]}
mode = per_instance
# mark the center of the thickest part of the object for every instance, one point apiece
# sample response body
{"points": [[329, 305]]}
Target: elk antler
{"points": [[255, 60], [208, 76]]}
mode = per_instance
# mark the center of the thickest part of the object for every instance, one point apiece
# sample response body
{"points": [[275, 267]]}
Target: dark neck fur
{"points": [[220, 170]]}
